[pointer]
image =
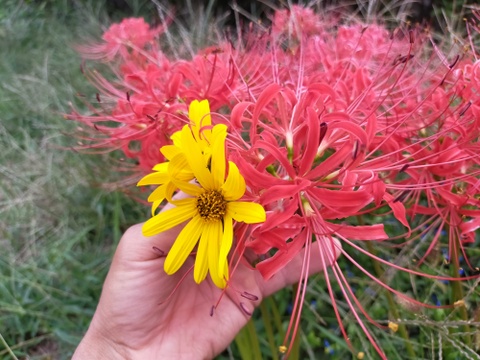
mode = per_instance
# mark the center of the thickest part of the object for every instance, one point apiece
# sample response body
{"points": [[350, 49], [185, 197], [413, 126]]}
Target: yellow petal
{"points": [[183, 202], [156, 178], [207, 154], [218, 155], [201, 260], [183, 245], [162, 167], [225, 246], [179, 168], [169, 151], [189, 188], [246, 212], [226, 275], [178, 164], [199, 114], [234, 186], [194, 156], [170, 218], [177, 139], [155, 206], [170, 190], [214, 238], [158, 194]]}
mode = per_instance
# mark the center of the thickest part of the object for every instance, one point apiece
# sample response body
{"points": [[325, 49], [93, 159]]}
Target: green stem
{"points": [[267, 321], [392, 305], [277, 318], [457, 295], [117, 211], [295, 342], [247, 342], [295, 353]]}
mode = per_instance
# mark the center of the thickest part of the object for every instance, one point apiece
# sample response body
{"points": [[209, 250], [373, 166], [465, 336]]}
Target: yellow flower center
{"points": [[211, 205]]}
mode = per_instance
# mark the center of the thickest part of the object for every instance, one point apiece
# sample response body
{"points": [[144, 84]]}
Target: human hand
{"points": [[143, 313]]}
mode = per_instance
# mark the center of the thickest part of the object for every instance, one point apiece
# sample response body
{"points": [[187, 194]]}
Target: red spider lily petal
{"points": [[450, 198], [347, 127], [281, 212], [296, 21], [236, 115], [378, 191], [332, 163], [278, 153], [283, 256], [278, 192], [253, 177], [365, 232], [131, 33], [262, 242], [344, 202], [265, 97], [468, 228], [313, 137], [398, 210]]}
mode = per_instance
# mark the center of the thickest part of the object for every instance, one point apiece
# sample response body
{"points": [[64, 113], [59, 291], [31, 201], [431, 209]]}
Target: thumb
{"points": [[134, 246]]}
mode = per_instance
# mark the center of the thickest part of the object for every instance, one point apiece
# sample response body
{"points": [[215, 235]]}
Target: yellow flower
{"points": [[212, 208], [200, 124], [177, 165]]}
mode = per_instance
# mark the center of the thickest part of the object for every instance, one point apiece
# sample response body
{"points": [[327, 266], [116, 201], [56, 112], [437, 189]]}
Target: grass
{"points": [[59, 227]]}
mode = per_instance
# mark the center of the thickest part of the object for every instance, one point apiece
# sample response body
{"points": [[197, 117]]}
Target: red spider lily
{"points": [[304, 196], [320, 152], [147, 100], [131, 35]]}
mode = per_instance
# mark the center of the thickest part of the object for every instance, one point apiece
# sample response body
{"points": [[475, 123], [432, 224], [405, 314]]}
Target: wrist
{"points": [[96, 346]]}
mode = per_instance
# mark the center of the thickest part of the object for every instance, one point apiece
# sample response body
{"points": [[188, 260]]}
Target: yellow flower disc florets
{"points": [[211, 205]]}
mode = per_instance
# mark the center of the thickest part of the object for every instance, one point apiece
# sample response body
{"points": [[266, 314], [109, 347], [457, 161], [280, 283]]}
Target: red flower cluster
{"points": [[327, 122]]}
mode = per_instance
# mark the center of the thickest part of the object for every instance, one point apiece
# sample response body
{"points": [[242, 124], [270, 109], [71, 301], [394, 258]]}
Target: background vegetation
{"points": [[59, 224]]}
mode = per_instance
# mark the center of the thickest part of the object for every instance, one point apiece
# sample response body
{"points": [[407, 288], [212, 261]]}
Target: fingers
{"points": [[321, 255]]}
